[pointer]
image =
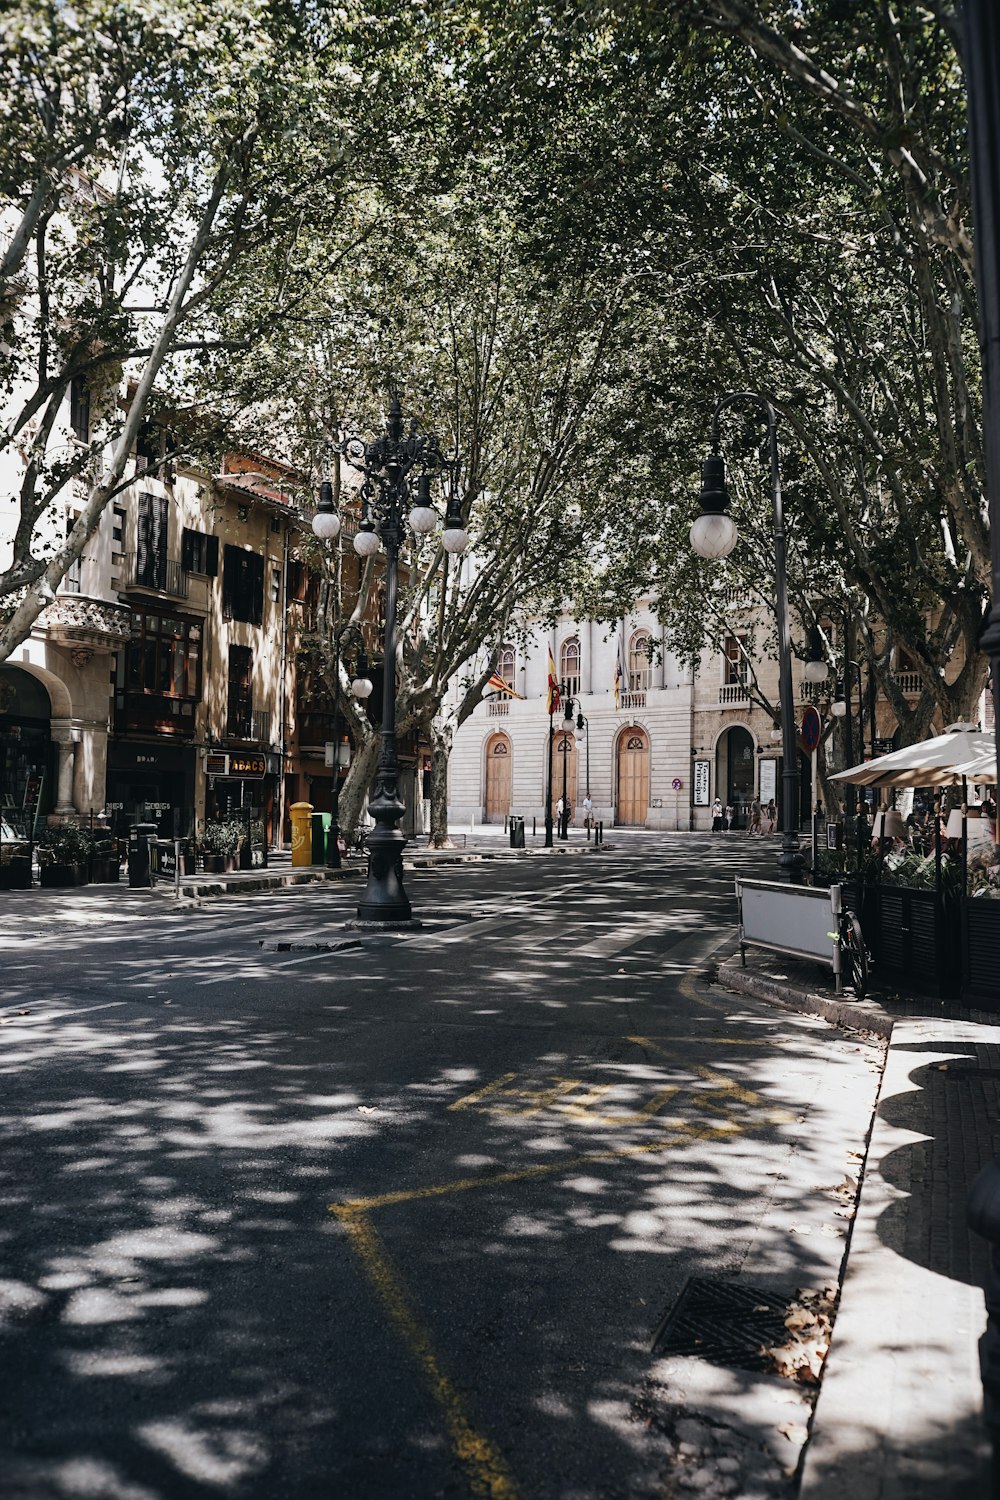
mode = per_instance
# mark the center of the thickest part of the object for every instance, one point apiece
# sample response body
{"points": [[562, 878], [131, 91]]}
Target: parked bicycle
{"points": [[854, 957]]}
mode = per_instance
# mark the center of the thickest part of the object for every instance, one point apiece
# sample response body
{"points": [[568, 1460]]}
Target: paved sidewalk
{"points": [[899, 1411]]}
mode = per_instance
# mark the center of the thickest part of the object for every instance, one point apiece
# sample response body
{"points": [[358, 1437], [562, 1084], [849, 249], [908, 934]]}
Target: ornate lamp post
{"points": [[567, 740], [713, 535], [397, 469]]}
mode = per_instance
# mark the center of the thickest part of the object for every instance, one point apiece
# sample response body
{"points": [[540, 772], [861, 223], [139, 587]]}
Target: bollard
{"points": [[140, 870], [534, 828], [983, 1217]]}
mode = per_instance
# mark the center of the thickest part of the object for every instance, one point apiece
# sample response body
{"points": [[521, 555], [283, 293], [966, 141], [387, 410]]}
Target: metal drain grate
{"points": [[725, 1322]]}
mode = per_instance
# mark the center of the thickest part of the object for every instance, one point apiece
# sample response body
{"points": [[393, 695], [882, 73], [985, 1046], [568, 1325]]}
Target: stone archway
{"points": [[736, 771], [27, 761], [564, 768]]}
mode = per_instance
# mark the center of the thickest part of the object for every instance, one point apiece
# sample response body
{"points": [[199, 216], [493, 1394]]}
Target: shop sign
{"points": [[248, 767], [700, 783], [216, 763]]}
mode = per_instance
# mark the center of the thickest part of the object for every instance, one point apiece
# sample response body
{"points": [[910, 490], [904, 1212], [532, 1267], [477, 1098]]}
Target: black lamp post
{"points": [[713, 535], [397, 469], [567, 739]]}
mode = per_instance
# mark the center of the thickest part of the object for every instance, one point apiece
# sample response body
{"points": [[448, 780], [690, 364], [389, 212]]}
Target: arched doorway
{"points": [[564, 757], [633, 778], [735, 771], [498, 772], [26, 751]]}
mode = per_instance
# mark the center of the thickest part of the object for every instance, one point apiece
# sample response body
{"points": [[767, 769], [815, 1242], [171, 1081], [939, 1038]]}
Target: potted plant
{"points": [[219, 844], [15, 867], [63, 855], [105, 862]]}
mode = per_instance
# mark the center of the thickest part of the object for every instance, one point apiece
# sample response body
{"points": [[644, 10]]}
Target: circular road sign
{"points": [[811, 728], [677, 783]]}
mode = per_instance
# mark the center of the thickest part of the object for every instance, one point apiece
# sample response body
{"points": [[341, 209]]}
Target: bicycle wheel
{"points": [[853, 957]]}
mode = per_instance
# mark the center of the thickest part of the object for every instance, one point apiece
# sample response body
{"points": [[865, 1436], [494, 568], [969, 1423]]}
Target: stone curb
{"points": [[860, 1014]]}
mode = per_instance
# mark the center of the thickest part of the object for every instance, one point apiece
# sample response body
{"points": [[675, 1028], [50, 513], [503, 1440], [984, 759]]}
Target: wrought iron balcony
{"points": [[160, 574]]}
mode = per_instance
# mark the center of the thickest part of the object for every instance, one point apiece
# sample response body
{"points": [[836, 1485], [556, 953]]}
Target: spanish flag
{"points": [[553, 699], [499, 684]]}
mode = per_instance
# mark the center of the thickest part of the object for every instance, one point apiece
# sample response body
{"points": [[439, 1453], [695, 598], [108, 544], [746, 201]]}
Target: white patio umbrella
{"points": [[961, 753]]}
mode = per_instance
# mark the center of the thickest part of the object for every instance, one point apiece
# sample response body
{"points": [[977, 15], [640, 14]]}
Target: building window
{"points": [[79, 409], [735, 661], [505, 665], [242, 585], [569, 666], [275, 585], [73, 577], [151, 542], [147, 444], [164, 656], [239, 717], [639, 667], [199, 553]]}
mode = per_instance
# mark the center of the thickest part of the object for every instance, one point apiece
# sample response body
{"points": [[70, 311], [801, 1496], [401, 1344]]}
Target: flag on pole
{"points": [[619, 676], [501, 685], [553, 698]]}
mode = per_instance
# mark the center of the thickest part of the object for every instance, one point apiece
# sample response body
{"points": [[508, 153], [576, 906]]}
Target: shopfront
{"points": [[152, 783], [27, 753]]}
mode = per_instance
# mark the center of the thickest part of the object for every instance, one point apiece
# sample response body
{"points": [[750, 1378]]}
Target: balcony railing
{"points": [[162, 575], [734, 692], [634, 700], [909, 683], [497, 708], [255, 728]]}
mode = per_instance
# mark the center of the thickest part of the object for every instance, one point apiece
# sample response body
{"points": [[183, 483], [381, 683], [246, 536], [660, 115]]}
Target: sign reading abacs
{"points": [[248, 767]]}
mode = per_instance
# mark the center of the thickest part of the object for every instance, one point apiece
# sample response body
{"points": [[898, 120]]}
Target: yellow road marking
{"points": [[496, 1087], [723, 1082], [487, 1471], [543, 1169]]}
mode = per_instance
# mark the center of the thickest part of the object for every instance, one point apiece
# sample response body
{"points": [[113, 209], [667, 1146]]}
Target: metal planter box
{"points": [[915, 938], [981, 952]]}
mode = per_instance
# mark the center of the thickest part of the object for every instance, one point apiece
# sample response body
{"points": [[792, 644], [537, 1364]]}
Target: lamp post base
{"points": [[385, 901]]}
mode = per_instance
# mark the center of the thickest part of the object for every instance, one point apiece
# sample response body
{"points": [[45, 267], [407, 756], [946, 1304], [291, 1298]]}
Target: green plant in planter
{"points": [[917, 871], [222, 838], [67, 845], [984, 874]]}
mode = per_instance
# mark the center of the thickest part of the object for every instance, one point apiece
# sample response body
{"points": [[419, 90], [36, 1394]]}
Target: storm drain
{"points": [[724, 1322]]}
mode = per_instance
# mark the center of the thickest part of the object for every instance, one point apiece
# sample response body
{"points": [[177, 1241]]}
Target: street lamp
{"points": [[397, 469], [567, 740], [713, 535], [326, 527]]}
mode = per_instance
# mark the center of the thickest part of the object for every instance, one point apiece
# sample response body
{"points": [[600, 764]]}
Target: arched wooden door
{"points": [[633, 778], [498, 769], [564, 754]]}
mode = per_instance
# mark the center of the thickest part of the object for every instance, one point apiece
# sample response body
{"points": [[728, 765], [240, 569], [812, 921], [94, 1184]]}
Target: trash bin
{"points": [[321, 825], [517, 833], [300, 814], [139, 870]]}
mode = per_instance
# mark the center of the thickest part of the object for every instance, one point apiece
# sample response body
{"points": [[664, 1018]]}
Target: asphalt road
{"points": [[399, 1217]]}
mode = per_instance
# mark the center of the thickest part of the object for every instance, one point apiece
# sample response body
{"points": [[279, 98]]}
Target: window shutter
{"points": [[212, 557], [187, 550], [158, 540], [143, 537], [255, 582]]}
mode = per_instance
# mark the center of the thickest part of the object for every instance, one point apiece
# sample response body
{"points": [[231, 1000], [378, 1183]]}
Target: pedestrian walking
{"points": [[717, 817], [588, 812], [755, 816], [771, 814], [730, 817]]}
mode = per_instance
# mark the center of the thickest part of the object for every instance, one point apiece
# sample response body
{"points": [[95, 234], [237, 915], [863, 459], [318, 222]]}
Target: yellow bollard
{"points": [[302, 841]]}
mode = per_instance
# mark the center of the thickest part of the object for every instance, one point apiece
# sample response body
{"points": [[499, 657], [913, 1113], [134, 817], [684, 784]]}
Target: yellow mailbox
{"points": [[302, 842]]}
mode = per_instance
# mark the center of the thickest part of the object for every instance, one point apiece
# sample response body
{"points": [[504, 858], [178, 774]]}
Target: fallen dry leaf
{"points": [[794, 1432]]}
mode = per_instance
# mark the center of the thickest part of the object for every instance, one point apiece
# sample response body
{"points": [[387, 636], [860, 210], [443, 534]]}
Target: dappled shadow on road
{"points": [[519, 1196]]}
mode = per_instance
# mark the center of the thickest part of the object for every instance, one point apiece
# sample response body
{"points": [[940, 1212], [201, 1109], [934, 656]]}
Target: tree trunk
{"points": [[356, 786], [441, 735]]}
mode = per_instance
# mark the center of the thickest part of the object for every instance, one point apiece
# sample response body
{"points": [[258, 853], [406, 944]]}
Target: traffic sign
{"points": [[677, 783], [811, 728]]}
